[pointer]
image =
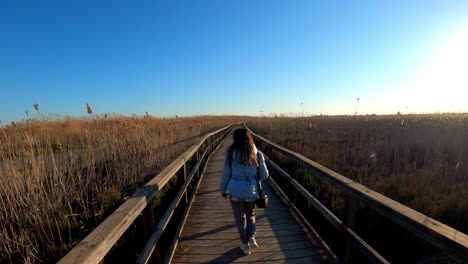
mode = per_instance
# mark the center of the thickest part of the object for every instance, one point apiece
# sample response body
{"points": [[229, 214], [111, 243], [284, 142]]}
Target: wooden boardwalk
{"points": [[210, 234]]}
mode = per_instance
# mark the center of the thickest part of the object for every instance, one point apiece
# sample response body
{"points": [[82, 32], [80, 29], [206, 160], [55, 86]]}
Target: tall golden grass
{"points": [[418, 160], [60, 177]]}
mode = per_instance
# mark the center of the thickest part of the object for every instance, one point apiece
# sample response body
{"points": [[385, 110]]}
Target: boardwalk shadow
{"points": [[201, 193], [213, 231], [229, 257]]}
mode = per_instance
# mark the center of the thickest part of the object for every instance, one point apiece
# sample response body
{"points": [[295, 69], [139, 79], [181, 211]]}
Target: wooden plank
{"points": [[275, 213], [260, 224], [221, 235], [232, 228], [95, 246], [233, 241], [207, 225], [234, 255], [300, 260], [260, 217], [435, 232], [224, 205], [221, 250], [189, 230], [228, 221]]}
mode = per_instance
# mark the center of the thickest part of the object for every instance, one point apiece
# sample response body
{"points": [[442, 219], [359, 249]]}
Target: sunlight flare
{"points": [[442, 84]]}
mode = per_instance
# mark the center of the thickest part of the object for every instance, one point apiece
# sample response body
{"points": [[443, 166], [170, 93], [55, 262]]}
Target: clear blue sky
{"points": [[229, 57]]}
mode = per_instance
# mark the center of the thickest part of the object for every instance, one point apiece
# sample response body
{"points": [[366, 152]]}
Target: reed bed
{"points": [[60, 177], [419, 160]]}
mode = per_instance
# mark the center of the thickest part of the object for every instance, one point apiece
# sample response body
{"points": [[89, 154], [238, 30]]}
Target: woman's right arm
{"points": [[225, 177], [263, 171]]}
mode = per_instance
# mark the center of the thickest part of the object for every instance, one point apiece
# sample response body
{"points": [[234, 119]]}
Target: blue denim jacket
{"points": [[240, 181]]}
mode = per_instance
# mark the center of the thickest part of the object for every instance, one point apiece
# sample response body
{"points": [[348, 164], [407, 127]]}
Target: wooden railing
{"points": [[435, 233], [161, 237], [187, 170]]}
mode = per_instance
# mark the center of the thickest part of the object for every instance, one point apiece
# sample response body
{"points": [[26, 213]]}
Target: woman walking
{"points": [[239, 184]]}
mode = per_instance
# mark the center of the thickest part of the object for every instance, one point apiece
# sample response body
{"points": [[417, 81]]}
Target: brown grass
{"points": [[418, 160], [60, 177]]}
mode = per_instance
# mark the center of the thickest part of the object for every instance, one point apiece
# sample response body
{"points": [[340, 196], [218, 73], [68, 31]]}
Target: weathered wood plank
{"points": [[276, 213], [228, 221], [233, 241], [221, 250], [221, 235], [300, 260], [232, 228], [226, 205], [234, 255]]}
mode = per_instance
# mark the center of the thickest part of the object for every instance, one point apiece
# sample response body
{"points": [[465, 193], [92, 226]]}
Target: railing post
{"points": [[197, 173], [350, 207], [148, 229], [184, 177], [269, 151], [148, 221]]}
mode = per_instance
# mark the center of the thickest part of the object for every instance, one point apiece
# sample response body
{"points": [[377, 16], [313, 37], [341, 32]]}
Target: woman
{"points": [[239, 184]]}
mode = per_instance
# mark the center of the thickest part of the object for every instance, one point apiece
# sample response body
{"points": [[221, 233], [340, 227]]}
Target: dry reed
{"points": [[60, 177], [418, 160]]}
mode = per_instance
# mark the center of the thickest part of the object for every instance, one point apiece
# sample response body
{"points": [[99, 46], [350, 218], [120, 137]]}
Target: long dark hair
{"points": [[244, 147]]}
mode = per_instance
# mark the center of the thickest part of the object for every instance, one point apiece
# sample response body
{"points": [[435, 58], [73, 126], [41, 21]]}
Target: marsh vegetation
{"points": [[61, 177], [418, 160]]}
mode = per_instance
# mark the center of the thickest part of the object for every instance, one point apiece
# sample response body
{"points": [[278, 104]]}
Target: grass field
{"points": [[418, 160], [60, 177]]}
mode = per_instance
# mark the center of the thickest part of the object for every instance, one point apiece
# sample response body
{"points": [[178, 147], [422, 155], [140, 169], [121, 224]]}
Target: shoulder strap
{"points": [[260, 190]]}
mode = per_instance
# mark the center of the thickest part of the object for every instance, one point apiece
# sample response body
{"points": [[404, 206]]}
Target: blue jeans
{"points": [[244, 214]]}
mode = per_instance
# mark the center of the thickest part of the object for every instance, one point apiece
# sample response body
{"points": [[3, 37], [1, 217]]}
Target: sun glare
{"points": [[442, 84]]}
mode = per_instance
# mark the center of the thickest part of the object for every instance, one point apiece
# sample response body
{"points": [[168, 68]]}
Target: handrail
{"points": [[94, 247], [366, 249], [152, 242], [433, 231]]}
